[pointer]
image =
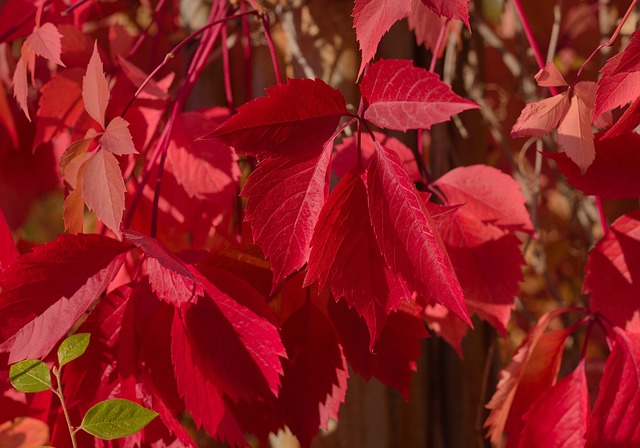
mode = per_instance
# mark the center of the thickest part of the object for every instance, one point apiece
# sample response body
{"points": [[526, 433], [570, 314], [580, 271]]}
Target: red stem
{"points": [[226, 68], [438, 46], [272, 49], [246, 44], [145, 33], [72, 7]]}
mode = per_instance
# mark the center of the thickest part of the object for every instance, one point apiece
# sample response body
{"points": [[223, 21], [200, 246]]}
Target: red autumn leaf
{"points": [[558, 419], [293, 119], [95, 91], [489, 195], [530, 373], [451, 9], [550, 76], [235, 341], [346, 157], [284, 199], [372, 19], [170, 279], [207, 169], [393, 359], [615, 420], [8, 251], [151, 89], [425, 24], [612, 269], [629, 120], [45, 291], [344, 234], [45, 41], [620, 79], [116, 138], [201, 397], [315, 375], [446, 325], [541, 117], [407, 235], [400, 96], [20, 83], [614, 172], [575, 133], [103, 188]]}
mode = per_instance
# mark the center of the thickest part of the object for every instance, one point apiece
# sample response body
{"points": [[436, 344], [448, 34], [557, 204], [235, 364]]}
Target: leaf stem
{"points": [[65, 410], [438, 46], [226, 70], [531, 39], [272, 49], [72, 7], [609, 42], [145, 33]]}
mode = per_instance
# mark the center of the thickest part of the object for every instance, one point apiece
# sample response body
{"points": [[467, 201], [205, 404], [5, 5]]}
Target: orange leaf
{"points": [[575, 134], [117, 138], [540, 118], [550, 76]]}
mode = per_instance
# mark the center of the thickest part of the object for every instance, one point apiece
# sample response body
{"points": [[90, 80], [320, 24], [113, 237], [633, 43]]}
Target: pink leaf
{"points": [[558, 419], [550, 76], [315, 375], [489, 194], [541, 117], [451, 9], [446, 325], [20, 83], [372, 19], [103, 188], [45, 291], [614, 172], [45, 41], [575, 134], [346, 157], [95, 91], [629, 120], [345, 257], [616, 414], [293, 119], [407, 235], [117, 139], [612, 271], [284, 199], [425, 24], [170, 279], [400, 96]]}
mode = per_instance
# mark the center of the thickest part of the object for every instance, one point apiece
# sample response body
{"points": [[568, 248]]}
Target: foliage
{"points": [[356, 249]]}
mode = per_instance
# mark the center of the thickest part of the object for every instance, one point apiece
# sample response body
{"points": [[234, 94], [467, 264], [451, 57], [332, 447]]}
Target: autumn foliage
{"points": [[234, 265]]}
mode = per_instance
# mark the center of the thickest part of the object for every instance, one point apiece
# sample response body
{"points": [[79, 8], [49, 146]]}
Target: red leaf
{"points": [[629, 120], [400, 96], [284, 199], [207, 169], [170, 279], [558, 419], [550, 76], [20, 83], [237, 346], [393, 359], [612, 271], [541, 117], [426, 25], [614, 172], [407, 235], [446, 325], [451, 9], [293, 119], [8, 251], [45, 41], [95, 91], [345, 257], [489, 195], [202, 399], [532, 371], [45, 291], [575, 133], [372, 19], [315, 375], [117, 138], [616, 418], [346, 157]]}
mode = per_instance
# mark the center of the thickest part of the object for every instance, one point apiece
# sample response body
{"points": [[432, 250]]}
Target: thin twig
{"points": [[65, 410]]}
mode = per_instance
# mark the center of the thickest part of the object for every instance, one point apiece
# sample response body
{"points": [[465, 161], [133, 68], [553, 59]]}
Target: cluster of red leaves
{"points": [[353, 266]]}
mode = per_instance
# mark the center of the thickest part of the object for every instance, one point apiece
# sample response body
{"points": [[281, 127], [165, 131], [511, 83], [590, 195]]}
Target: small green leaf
{"points": [[73, 347], [31, 375], [115, 418]]}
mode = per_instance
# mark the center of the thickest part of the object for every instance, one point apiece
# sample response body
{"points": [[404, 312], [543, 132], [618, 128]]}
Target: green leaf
{"points": [[115, 418], [31, 375], [73, 347]]}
